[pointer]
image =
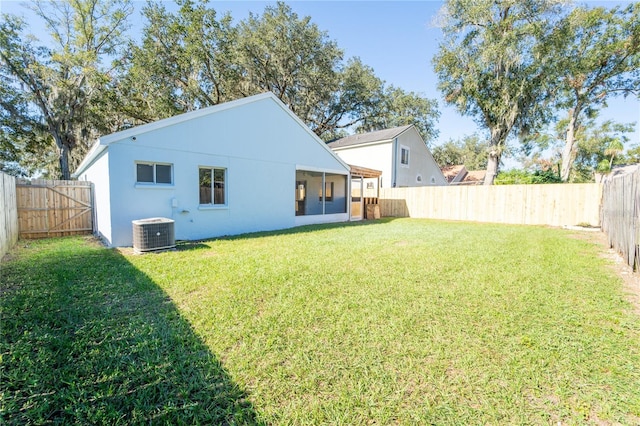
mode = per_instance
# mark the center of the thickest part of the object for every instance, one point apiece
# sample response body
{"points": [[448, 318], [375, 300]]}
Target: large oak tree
{"points": [[50, 89], [597, 56], [491, 65], [190, 59]]}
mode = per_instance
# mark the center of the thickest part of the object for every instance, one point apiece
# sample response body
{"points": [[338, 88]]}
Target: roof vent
{"points": [[151, 234]]}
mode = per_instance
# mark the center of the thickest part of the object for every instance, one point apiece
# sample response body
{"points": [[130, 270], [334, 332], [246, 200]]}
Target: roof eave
{"points": [[91, 156], [358, 145]]}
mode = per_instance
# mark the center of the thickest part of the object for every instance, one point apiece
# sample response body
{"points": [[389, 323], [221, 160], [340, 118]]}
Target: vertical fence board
{"points": [[556, 205], [8, 213], [54, 208], [621, 215]]}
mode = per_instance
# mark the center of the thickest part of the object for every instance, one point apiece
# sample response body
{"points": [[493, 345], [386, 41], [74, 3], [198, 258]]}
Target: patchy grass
{"points": [[402, 321]]}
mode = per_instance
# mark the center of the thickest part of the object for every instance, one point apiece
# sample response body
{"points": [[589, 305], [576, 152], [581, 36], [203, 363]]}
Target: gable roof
{"points": [[453, 172], [103, 142], [475, 176], [362, 138]]}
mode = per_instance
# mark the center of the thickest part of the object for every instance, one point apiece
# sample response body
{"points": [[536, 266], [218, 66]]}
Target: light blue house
{"points": [[243, 166]]}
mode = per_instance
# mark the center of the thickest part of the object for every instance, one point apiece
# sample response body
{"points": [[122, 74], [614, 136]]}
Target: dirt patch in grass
{"points": [[631, 280]]}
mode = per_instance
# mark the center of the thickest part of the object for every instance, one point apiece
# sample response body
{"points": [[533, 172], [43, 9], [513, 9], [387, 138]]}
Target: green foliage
{"points": [[189, 59], [492, 65], [600, 147], [52, 89], [286, 328], [359, 96], [291, 57], [400, 108], [55, 99], [470, 151], [523, 177], [185, 62], [633, 154], [596, 56]]}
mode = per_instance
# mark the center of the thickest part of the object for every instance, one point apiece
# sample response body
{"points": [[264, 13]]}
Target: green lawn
{"points": [[388, 322]]}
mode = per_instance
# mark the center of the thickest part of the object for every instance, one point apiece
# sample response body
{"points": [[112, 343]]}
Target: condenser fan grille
{"points": [[153, 234]]}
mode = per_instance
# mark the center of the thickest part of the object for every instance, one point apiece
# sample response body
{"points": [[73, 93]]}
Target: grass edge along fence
{"points": [[621, 216], [553, 205], [8, 213]]}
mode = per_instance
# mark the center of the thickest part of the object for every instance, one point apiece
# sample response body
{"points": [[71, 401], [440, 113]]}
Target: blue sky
{"points": [[397, 39]]}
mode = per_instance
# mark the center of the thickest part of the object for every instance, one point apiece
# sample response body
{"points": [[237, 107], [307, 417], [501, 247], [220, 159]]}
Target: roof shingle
{"points": [[361, 138]]}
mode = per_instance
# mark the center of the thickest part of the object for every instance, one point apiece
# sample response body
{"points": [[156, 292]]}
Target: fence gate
{"points": [[54, 208]]}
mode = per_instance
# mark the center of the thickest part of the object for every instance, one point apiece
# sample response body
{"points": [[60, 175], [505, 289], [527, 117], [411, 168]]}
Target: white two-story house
{"points": [[400, 153]]}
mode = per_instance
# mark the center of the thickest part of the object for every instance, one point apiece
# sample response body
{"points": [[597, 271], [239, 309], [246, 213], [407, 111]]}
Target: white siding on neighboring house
{"points": [[400, 154], [374, 156], [422, 169]]}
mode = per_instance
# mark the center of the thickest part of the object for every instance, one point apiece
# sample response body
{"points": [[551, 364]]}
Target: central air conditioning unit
{"points": [[156, 233]]}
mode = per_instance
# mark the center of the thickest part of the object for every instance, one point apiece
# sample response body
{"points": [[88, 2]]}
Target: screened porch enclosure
{"points": [[320, 193]]}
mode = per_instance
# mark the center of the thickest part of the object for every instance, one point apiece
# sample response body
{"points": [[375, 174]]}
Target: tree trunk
{"points": [[492, 167], [493, 162], [569, 145], [64, 162]]}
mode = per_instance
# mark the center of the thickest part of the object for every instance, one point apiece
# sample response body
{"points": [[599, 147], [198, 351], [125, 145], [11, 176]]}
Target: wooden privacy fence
{"points": [[54, 208], [621, 216], [555, 205], [8, 213]]}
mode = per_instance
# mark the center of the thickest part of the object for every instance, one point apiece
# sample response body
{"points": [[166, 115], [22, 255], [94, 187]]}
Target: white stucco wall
{"points": [[98, 174], [258, 143]]}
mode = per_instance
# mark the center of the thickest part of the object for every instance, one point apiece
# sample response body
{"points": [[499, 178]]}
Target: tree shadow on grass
{"points": [[86, 338]]}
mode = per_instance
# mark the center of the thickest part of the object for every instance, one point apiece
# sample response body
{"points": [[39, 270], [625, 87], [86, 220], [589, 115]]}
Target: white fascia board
{"points": [[93, 154], [310, 132], [360, 145], [322, 170], [138, 130], [106, 140]]}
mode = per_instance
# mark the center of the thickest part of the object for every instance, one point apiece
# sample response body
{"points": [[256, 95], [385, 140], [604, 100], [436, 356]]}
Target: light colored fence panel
{"points": [[53, 208], [554, 205], [8, 213], [621, 216]]}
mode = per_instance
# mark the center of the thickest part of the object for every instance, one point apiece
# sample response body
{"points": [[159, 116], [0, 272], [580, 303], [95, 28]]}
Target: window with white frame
{"points": [[404, 156], [213, 186], [154, 173]]}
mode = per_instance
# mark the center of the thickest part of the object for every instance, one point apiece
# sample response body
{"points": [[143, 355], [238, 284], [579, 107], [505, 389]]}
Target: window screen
{"points": [[218, 186], [205, 186], [144, 173], [404, 159], [154, 173], [212, 186], [163, 173]]}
